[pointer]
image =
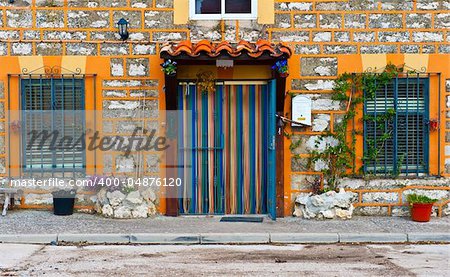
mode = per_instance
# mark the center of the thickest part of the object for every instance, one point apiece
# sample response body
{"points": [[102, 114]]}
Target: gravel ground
{"points": [[42, 222], [227, 260]]}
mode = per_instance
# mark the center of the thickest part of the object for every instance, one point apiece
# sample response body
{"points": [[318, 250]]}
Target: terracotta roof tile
{"points": [[212, 50]]}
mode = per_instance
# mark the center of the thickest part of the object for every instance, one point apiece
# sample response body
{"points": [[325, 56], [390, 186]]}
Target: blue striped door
{"points": [[226, 149]]}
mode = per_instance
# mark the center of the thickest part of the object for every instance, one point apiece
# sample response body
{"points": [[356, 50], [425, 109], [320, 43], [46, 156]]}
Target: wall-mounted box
{"points": [[301, 110]]}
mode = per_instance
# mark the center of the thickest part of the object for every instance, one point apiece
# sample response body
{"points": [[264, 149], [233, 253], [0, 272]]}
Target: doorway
{"points": [[226, 148]]}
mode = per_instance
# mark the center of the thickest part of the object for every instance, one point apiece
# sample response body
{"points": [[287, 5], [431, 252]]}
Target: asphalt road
{"points": [[226, 260]]}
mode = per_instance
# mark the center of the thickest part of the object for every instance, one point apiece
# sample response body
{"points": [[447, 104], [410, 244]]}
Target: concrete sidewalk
{"points": [[44, 227]]}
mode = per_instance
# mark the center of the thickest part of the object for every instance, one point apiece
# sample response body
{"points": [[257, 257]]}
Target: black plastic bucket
{"points": [[63, 206]]}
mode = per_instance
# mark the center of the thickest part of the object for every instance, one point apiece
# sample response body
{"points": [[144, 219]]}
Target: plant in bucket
{"points": [[421, 207]]}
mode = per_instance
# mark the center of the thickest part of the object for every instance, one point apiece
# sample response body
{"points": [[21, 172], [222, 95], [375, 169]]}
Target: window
{"points": [[223, 9], [396, 128], [53, 108]]}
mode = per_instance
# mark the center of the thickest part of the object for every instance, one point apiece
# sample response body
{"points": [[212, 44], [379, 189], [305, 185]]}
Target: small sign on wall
{"points": [[301, 110]]}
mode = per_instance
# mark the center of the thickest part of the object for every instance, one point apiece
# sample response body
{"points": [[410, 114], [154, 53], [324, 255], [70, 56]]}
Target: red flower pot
{"points": [[421, 212]]}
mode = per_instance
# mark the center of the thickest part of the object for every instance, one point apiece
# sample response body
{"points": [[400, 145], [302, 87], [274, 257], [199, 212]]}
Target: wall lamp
{"points": [[122, 26]]}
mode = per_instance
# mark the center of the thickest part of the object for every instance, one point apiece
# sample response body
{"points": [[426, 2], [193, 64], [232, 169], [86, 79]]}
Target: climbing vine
{"points": [[339, 154]]}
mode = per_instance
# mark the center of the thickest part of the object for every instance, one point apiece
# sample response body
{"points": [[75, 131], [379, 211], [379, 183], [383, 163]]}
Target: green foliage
{"points": [[339, 157], [420, 199]]}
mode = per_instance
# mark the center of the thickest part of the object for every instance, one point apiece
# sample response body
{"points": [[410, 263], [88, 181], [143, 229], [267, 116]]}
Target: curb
{"points": [[227, 238]]}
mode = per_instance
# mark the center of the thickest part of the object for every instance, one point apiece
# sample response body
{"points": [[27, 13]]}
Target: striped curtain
{"points": [[222, 149]]}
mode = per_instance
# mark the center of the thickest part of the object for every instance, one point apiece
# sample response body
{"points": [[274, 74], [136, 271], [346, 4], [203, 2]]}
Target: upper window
{"points": [[396, 128], [223, 9]]}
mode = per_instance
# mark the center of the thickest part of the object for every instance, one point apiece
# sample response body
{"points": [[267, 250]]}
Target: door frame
{"points": [[171, 101]]}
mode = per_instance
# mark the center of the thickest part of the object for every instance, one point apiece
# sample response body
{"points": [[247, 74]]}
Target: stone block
{"points": [[321, 122], [38, 199], [163, 4], [332, 6], [340, 49], [50, 19], [210, 30], [294, 6], [428, 4], [371, 211], [321, 36], [81, 49], [442, 21], [282, 20], [418, 20], [378, 49], [330, 21], [21, 49], [385, 21], [396, 5], [431, 49], [429, 237], [130, 83], [432, 193], [364, 36], [65, 35], [3, 49], [159, 20], [112, 49], [305, 21], [427, 36], [134, 18], [380, 197], [307, 49], [299, 164], [290, 36], [302, 182], [355, 21], [97, 3], [94, 238], [362, 5], [153, 163], [138, 67], [18, 18], [12, 35], [29, 238], [31, 35], [49, 3], [318, 66], [409, 48], [304, 238], [48, 49], [372, 237], [165, 238], [117, 69], [312, 85], [393, 36], [169, 36], [235, 238], [87, 19], [144, 49], [341, 36]]}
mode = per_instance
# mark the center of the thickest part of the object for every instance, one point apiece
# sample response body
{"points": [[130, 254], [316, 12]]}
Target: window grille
{"points": [[55, 106], [396, 128]]}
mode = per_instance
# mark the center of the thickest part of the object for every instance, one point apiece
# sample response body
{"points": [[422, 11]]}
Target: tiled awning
{"points": [[242, 49]]}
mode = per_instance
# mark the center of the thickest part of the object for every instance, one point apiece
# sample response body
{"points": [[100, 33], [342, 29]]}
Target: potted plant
{"points": [[63, 201], [169, 68], [421, 207], [282, 68]]}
